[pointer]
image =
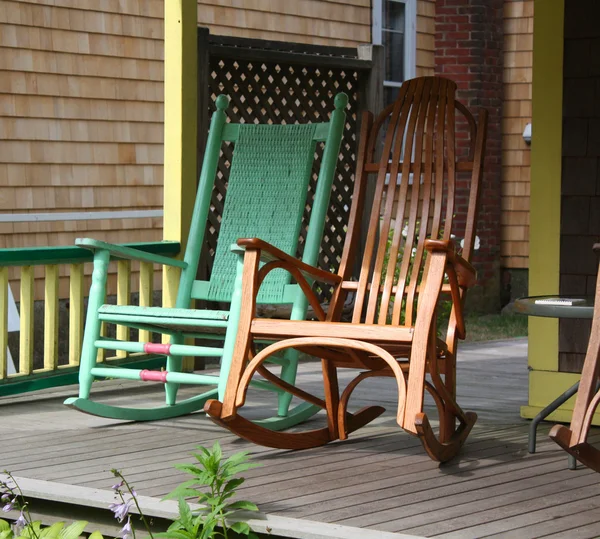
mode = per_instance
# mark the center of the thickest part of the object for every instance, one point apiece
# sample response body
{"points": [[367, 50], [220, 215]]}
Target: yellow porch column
{"points": [[181, 96], [546, 165]]}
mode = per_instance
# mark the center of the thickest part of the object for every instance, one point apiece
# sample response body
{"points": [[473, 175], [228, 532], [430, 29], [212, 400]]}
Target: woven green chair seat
{"points": [[192, 320]]}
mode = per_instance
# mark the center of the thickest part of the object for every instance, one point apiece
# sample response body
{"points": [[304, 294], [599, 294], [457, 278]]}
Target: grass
{"points": [[493, 327]]}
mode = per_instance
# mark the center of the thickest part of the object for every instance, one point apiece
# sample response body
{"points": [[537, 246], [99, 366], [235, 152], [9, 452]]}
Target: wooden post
{"points": [[203, 95], [371, 98], [545, 383], [180, 131], [181, 68], [371, 86]]}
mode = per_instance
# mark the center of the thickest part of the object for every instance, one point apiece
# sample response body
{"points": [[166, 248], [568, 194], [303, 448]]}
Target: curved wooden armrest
{"points": [[128, 253], [465, 272], [270, 253], [460, 274]]}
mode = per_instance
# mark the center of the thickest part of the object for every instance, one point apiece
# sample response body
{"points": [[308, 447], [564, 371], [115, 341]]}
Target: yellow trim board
{"points": [[546, 164], [544, 387]]}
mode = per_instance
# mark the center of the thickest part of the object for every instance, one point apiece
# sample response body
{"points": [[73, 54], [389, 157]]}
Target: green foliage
{"points": [[219, 476], [26, 528], [214, 484], [34, 530]]}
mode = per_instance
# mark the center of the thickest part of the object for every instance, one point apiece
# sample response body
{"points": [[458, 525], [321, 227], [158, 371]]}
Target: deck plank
{"points": [[378, 479]]}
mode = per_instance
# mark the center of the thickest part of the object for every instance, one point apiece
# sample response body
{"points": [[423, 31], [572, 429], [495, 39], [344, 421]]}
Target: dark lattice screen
{"points": [[261, 90]]}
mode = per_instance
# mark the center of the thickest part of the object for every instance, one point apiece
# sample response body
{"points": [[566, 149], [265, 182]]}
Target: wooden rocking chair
{"points": [[573, 439], [266, 196], [409, 259]]}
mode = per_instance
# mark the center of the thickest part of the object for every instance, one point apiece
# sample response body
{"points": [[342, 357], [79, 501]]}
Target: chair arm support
{"points": [[460, 274], [120, 251], [465, 272], [270, 253]]}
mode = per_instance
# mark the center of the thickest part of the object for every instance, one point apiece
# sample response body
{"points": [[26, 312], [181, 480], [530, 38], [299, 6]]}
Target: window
{"points": [[394, 27]]}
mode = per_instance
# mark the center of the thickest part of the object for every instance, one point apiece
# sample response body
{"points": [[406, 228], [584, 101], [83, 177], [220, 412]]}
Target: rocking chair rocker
{"points": [[408, 261], [266, 197]]}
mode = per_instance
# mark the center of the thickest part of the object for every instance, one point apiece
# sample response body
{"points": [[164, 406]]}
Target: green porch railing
{"points": [[53, 374]]}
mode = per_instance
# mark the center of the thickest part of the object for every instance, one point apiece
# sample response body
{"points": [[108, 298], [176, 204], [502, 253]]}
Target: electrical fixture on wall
{"points": [[527, 134]]}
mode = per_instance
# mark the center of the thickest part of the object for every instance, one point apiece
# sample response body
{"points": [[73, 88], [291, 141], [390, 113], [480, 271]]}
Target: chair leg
{"points": [[288, 374], [92, 323], [451, 437], [174, 364]]}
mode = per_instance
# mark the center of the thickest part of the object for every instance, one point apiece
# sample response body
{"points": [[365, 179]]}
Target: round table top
{"points": [[556, 306]]}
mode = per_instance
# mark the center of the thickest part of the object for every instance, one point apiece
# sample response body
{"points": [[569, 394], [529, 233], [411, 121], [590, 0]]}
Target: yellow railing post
{"points": [[123, 298], [181, 102], [51, 318], [26, 328], [146, 290], [3, 321]]}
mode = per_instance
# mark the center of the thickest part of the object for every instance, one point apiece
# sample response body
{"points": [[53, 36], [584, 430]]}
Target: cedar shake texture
{"points": [[580, 202]]}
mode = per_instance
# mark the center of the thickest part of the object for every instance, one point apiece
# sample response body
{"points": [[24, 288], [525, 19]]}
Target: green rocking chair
{"points": [[266, 197]]}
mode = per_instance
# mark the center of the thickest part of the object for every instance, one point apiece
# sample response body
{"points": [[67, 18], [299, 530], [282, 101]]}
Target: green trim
{"points": [[127, 253], [44, 256], [15, 385]]}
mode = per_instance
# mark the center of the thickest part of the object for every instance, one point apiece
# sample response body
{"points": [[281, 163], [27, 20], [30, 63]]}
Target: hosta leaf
{"points": [[174, 534], [73, 531], [240, 527], [4, 525], [96, 535], [51, 532]]}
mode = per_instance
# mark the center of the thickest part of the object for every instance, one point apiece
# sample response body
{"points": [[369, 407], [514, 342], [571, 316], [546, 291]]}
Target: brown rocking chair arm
{"points": [[460, 274], [465, 272], [270, 253]]}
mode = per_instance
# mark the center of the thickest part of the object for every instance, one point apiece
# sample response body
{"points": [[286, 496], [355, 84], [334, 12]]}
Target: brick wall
{"points": [[468, 43], [580, 197]]}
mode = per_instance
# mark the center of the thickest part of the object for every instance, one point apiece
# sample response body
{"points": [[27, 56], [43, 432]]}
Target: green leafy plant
{"points": [[24, 527], [219, 476], [209, 522]]}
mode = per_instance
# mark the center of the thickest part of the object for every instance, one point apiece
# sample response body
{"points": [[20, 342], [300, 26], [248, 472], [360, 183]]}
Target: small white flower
{"points": [[405, 231]]}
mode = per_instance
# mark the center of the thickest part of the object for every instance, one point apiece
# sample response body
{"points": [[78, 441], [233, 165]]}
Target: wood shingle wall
{"points": [[81, 103], [425, 59], [518, 56]]}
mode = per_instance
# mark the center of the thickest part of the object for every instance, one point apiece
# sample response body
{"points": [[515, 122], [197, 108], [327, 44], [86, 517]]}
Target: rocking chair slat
{"points": [[409, 259], [266, 197]]}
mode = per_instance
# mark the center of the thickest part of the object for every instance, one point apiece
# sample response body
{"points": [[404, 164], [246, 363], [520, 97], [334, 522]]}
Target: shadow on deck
{"points": [[379, 479]]}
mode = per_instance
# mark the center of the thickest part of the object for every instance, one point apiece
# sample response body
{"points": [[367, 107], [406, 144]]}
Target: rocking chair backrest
{"points": [[266, 196], [414, 197]]}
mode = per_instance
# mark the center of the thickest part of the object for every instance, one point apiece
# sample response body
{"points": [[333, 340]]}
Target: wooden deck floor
{"points": [[378, 479]]}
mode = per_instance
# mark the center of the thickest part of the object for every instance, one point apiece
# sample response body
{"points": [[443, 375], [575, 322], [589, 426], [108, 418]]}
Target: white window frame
{"points": [[410, 37]]}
